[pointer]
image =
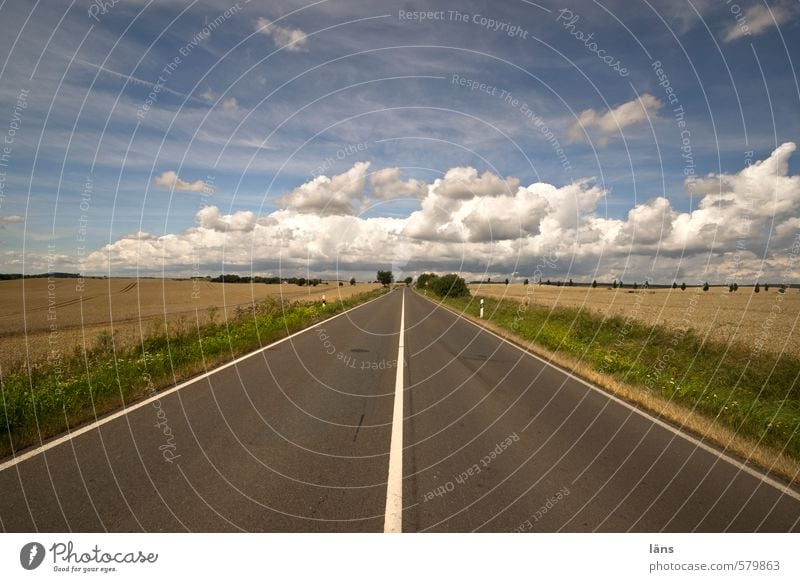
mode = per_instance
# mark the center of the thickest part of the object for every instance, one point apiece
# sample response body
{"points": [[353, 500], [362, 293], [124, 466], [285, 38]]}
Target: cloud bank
{"points": [[483, 223]]}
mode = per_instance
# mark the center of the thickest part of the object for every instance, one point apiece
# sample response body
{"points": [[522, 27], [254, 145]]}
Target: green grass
{"points": [[757, 396], [47, 399]]}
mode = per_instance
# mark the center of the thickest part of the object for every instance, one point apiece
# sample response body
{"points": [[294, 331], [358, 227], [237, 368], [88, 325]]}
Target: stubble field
{"points": [[39, 318], [765, 321]]}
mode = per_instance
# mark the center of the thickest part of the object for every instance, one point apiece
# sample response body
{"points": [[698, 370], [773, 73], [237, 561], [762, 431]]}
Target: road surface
{"points": [[299, 437]]}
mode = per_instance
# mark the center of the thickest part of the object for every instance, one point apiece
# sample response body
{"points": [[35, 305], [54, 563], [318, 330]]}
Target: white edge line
{"points": [[393, 518], [784, 488], [98, 423]]}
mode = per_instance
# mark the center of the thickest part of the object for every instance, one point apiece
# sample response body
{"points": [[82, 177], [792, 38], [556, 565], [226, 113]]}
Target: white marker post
{"points": [[481, 308]]}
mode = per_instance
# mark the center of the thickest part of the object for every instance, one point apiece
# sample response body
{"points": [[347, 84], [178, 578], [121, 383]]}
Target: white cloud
{"points": [[325, 196], [208, 95], [292, 39], [171, 181], [465, 183], [10, 219], [230, 105], [758, 19], [210, 218], [494, 227], [614, 120], [386, 184]]}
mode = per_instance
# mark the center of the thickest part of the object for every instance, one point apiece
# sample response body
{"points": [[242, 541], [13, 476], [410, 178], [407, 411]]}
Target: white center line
{"points": [[393, 519]]}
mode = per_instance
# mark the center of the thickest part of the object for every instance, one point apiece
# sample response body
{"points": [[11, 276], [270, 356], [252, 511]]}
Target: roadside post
{"points": [[481, 308]]}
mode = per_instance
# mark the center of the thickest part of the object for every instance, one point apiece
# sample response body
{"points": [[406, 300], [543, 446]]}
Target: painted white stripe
{"points": [[98, 423], [784, 488], [393, 518]]}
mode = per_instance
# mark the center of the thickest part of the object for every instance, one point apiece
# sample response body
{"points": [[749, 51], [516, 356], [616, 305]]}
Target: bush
{"points": [[449, 286]]}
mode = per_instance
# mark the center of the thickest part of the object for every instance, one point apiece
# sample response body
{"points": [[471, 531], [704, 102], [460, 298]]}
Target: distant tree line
{"points": [[12, 276], [301, 281]]}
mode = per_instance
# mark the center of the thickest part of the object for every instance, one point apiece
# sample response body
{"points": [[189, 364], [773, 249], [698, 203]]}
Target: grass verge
{"points": [[747, 403], [44, 400]]}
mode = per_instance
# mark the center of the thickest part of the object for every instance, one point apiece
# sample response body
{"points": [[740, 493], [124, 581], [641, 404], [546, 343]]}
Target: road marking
{"points": [[393, 519], [784, 488], [98, 423]]}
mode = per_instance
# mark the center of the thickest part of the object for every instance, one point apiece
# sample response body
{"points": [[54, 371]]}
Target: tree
{"points": [[614, 284], [425, 279], [635, 285], [341, 283], [548, 282], [570, 282], [385, 278], [683, 286], [594, 284], [674, 285], [766, 287], [353, 281], [705, 286], [757, 288], [489, 280], [735, 286], [506, 280], [448, 286], [301, 281], [730, 288], [408, 280], [525, 282]]}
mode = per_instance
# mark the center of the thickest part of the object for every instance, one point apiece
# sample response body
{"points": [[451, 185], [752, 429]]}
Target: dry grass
{"points": [[738, 318], [129, 307]]}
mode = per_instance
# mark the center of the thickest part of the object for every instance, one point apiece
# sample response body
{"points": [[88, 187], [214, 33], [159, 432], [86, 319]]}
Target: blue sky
{"points": [[170, 107]]}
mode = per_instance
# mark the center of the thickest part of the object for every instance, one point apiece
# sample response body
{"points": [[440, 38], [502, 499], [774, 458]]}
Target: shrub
{"points": [[449, 286]]}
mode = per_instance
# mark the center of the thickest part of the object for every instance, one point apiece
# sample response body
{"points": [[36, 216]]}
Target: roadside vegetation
{"points": [[755, 395], [47, 398], [446, 286]]}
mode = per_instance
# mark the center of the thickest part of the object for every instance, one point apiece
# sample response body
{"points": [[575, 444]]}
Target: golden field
{"points": [[742, 317], [38, 318]]}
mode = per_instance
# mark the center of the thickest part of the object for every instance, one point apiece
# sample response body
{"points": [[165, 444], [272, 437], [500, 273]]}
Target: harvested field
{"points": [[38, 318], [769, 319]]}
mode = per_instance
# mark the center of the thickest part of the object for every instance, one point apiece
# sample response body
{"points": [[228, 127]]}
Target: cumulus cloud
{"points": [[171, 181], [498, 225], [210, 218], [291, 39], [758, 19], [325, 196], [614, 120], [10, 219], [387, 184], [230, 105], [465, 183]]}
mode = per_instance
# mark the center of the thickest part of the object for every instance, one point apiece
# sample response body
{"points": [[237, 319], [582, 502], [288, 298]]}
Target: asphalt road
{"points": [[297, 437]]}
